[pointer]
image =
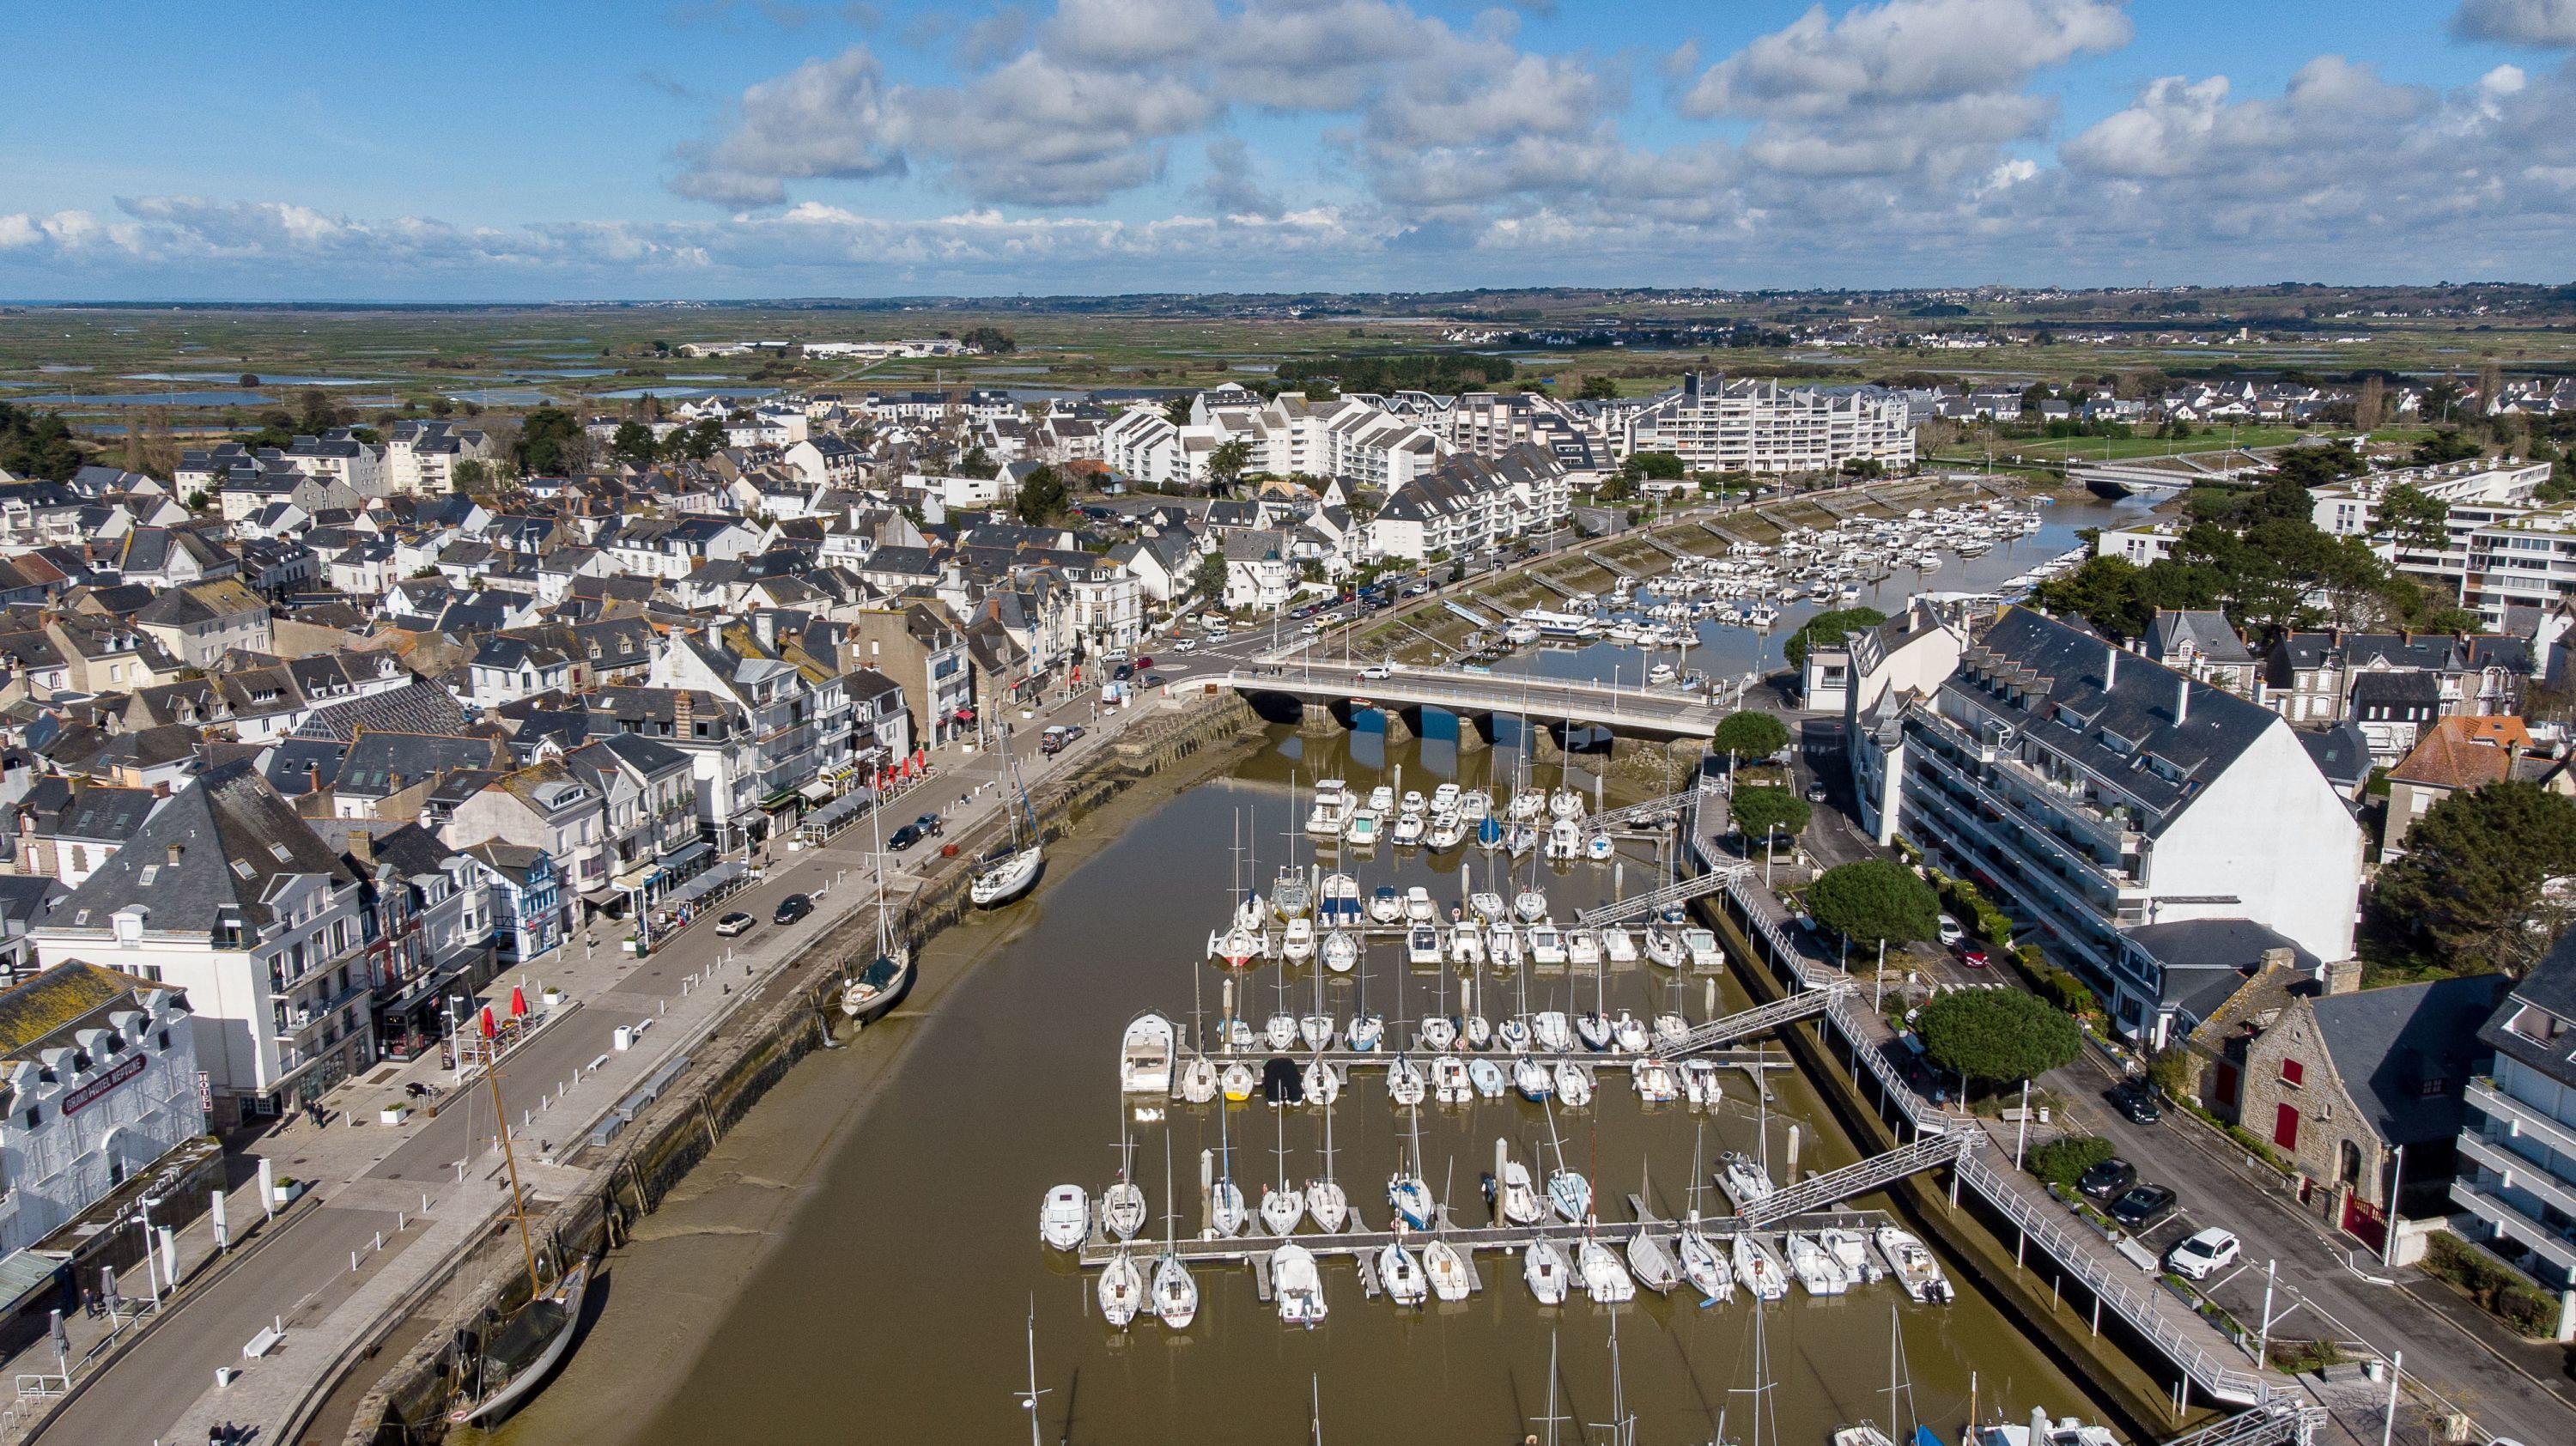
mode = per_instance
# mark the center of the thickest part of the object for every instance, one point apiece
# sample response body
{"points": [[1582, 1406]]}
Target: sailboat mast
{"points": [[518, 1197]]}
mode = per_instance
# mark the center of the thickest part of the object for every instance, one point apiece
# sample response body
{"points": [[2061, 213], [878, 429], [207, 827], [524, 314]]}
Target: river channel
{"points": [[860, 1260]]}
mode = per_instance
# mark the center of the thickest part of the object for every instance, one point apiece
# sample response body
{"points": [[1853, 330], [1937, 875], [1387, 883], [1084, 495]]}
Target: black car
{"points": [[2108, 1180], [2142, 1207], [905, 837], [1816, 792], [2136, 1103], [1122, 672], [791, 909], [930, 825]]}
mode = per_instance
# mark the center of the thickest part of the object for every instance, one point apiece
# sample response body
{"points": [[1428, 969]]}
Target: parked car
{"points": [[791, 909], [2108, 1180], [1150, 680], [2143, 1207], [2204, 1254], [2136, 1102], [1816, 791], [1052, 741], [905, 837], [1951, 932], [1974, 956], [734, 923]]}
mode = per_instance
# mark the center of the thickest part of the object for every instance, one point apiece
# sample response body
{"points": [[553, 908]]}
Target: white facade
{"points": [[91, 1106], [1764, 427]]}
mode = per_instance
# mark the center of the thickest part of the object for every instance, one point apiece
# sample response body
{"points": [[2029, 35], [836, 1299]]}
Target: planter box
{"points": [[393, 1114]]}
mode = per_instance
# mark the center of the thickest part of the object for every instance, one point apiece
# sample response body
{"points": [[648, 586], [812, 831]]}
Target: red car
{"points": [[1973, 957], [1141, 664]]}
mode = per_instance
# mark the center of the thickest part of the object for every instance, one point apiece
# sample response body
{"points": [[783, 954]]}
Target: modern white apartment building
{"points": [[1471, 503], [2517, 1168], [1762, 426], [2093, 792]]}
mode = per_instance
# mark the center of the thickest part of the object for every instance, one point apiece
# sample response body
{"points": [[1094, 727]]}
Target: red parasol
{"points": [[489, 1028], [518, 1002]]}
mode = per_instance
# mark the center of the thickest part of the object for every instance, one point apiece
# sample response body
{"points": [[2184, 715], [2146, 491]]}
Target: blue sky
{"points": [[725, 148]]}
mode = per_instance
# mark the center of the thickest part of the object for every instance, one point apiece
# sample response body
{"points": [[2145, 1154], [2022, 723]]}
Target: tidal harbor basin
{"points": [[1680, 1233]]}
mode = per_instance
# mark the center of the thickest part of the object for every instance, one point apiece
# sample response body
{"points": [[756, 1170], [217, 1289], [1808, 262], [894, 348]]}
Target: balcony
{"points": [[2521, 1119], [2516, 1173], [2032, 827], [2478, 1199]]}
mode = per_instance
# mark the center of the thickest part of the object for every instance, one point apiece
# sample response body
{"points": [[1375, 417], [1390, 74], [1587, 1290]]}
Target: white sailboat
{"points": [[1573, 1085], [1226, 1214], [1534, 1080], [1176, 1295], [1326, 1202], [1604, 1278], [1406, 1191], [1758, 1270], [1283, 1205], [1815, 1267], [1549, 1274], [1340, 952], [1009, 872], [1568, 1193], [1122, 1290], [1745, 1181], [1122, 1205]]}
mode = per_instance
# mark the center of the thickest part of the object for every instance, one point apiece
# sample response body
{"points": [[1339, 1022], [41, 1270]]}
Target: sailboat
{"points": [[1546, 1270], [1226, 1215], [873, 992], [512, 1363], [1122, 1290], [1326, 1202], [1122, 1205], [1567, 1191], [1008, 872], [1282, 1205], [1604, 1278], [1405, 1190], [1899, 1385], [1442, 1261], [1649, 1257], [1176, 1295], [1402, 1274], [1515, 1198]]}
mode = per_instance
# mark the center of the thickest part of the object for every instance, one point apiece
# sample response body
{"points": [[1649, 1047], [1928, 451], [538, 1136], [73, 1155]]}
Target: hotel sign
{"points": [[89, 1094]]}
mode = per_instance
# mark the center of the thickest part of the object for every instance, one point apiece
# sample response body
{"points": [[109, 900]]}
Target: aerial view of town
{"points": [[1540, 724]]}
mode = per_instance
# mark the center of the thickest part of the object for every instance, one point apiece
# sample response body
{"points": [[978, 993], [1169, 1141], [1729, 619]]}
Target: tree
{"points": [[2062, 1162], [2001, 1036], [1827, 628], [1759, 808], [468, 474], [1663, 466], [977, 463], [632, 444], [1600, 389], [1177, 411], [698, 441], [1749, 735], [1874, 901], [36, 444], [1208, 578], [1041, 498], [991, 340], [2447, 444], [2416, 518], [2468, 888], [551, 443], [2316, 466], [1227, 462]]}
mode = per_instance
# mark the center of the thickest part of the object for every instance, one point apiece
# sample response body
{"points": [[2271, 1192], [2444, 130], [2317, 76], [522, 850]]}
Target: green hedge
{"points": [[2063, 1162], [2498, 1288], [1967, 904]]}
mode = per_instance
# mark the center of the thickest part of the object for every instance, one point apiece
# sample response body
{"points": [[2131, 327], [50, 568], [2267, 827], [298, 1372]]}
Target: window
{"points": [[2293, 1073], [2285, 1127]]}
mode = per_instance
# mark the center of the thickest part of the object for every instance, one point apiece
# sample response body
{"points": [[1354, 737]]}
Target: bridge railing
{"points": [[1834, 1186]]}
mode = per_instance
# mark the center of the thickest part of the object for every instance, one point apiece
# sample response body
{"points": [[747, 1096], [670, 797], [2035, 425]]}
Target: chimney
{"points": [[764, 625], [2110, 665], [681, 709], [2182, 697], [2342, 977], [715, 633], [175, 851], [362, 847]]}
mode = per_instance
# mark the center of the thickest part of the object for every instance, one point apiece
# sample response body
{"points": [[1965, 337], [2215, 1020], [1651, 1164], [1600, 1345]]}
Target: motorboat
{"points": [[1382, 798], [1664, 947], [1410, 830], [1386, 906], [1533, 1079], [1447, 1269], [1199, 1080], [1519, 839], [1564, 841], [1671, 1029], [1701, 946], [1444, 799], [1573, 1086], [1530, 904], [1282, 1083], [1176, 1295], [1546, 945], [1758, 1270], [1446, 833], [1291, 897], [1315, 1031], [1550, 1033], [1280, 1030], [1516, 1200], [1339, 901], [1699, 1083], [1418, 907], [1297, 944], [1282, 1208], [1332, 810], [1065, 1218], [1122, 1290], [1363, 829], [1744, 1181], [1239, 1081], [1422, 946], [1503, 946], [1401, 1274], [1410, 1199], [1366, 1034], [1340, 952], [1815, 1268], [1628, 1033], [1701, 1265], [1414, 802], [1487, 1078], [1850, 1250], [2067, 1431], [1475, 803], [1467, 945], [1548, 1273], [1145, 1056], [1438, 1033], [1917, 1272], [1321, 1084], [1655, 1082], [1599, 846], [1564, 803], [1582, 949], [1569, 1195], [1404, 1083], [1449, 1082], [1297, 1285], [1486, 905], [1604, 1278]]}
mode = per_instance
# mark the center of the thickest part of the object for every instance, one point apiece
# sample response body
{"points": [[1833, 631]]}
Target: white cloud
{"points": [[1902, 52], [2547, 24]]}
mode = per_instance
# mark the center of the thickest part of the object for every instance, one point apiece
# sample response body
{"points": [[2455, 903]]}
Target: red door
{"points": [[2227, 1079], [2285, 1127]]}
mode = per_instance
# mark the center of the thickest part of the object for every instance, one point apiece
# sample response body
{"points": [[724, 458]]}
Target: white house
{"points": [[98, 1080]]}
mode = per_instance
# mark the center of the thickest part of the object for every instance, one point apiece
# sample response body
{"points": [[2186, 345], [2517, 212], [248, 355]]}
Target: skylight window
{"points": [[280, 850], [150, 872], [243, 868]]}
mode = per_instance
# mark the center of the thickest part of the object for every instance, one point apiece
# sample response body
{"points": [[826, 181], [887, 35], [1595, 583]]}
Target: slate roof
{"points": [[415, 707], [237, 838], [2205, 960], [377, 758], [2341, 753], [2550, 986], [2205, 632], [2393, 1045]]}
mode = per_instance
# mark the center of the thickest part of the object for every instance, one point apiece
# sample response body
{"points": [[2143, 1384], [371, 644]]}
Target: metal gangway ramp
{"points": [[1637, 906], [1670, 803], [1760, 1019], [1464, 611], [1616, 569], [1876, 1172], [2276, 1422]]}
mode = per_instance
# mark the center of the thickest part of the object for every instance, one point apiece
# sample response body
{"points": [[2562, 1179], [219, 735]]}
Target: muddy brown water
{"points": [[859, 1260]]}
